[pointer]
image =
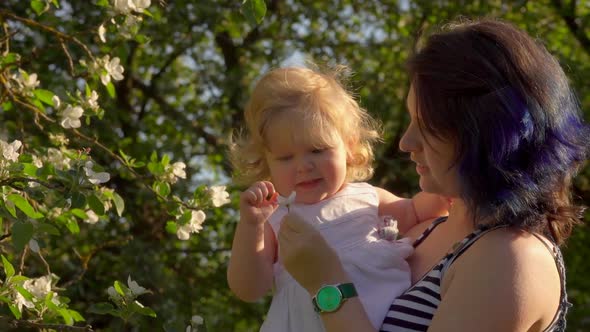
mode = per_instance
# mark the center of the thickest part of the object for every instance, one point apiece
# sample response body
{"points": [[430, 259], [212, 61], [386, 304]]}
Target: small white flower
{"points": [[178, 169], [101, 33], [70, 117], [194, 225], [38, 287], [95, 177], [123, 6], [58, 159], [37, 162], [219, 196], [92, 217], [92, 101], [112, 69], [287, 201], [34, 246], [135, 288], [56, 101], [140, 5], [10, 150]]}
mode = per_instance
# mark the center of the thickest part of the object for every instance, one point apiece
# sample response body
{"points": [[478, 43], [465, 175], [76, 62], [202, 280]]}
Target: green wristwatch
{"points": [[329, 298]]}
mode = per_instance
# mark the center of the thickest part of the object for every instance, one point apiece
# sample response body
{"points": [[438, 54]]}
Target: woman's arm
{"points": [[313, 263], [507, 281]]}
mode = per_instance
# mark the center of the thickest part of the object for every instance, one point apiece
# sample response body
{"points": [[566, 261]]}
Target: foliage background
{"points": [[182, 95]]}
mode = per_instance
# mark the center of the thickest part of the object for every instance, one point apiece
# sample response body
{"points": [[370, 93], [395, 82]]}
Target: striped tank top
{"points": [[414, 310]]}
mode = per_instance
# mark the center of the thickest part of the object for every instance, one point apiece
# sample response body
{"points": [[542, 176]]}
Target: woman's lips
{"points": [[421, 169]]}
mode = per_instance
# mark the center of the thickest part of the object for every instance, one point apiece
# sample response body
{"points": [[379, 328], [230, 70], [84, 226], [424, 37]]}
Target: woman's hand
{"points": [[307, 256]]}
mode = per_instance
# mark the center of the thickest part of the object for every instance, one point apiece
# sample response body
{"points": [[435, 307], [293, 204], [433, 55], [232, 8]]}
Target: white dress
{"points": [[348, 221]]}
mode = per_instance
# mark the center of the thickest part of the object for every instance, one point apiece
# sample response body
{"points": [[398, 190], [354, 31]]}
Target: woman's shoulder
{"points": [[512, 268]]}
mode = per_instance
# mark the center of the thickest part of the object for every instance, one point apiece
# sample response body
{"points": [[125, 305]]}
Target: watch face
{"points": [[329, 298]]}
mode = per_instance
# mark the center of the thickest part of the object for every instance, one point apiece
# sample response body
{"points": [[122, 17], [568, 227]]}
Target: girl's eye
{"points": [[319, 150], [284, 158]]}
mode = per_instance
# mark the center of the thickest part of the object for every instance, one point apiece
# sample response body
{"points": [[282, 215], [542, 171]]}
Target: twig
{"points": [[49, 29], [16, 323]]}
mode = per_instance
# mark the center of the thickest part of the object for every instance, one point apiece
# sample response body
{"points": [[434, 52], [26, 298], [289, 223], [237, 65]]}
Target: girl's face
{"points": [[315, 172], [433, 156]]}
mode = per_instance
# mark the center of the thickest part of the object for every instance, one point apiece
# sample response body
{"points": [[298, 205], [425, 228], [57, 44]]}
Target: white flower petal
{"points": [[101, 33]]}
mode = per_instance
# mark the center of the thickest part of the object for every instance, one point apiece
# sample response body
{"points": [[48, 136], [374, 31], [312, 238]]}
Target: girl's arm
{"points": [[250, 270], [507, 281], [409, 212]]}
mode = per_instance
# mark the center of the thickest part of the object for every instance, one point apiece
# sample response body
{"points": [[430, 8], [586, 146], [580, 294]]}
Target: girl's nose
{"points": [[304, 164]]}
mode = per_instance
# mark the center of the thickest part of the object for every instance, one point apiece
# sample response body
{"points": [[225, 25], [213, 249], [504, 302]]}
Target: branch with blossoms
{"points": [[51, 190]]}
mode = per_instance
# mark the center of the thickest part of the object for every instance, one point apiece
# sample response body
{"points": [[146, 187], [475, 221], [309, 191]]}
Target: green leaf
{"points": [[50, 303], [102, 3], [111, 89], [38, 6], [76, 315], [254, 11], [171, 227], [162, 188], [65, 313], [45, 96], [48, 229], [119, 204], [79, 213], [22, 232], [96, 205], [24, 206], [6, 106], [120, 288], [78, 200], [165, 160], [72, 225], [139, 308], [8, 268], [101, 308], [14, 309], [11, 208]]}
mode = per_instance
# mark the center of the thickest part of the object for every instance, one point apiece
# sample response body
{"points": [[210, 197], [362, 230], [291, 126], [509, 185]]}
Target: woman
{"points": [[494, 126]]}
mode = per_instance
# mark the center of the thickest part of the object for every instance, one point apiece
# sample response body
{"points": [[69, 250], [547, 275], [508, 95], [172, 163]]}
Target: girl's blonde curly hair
{"points": [[317, 100]]}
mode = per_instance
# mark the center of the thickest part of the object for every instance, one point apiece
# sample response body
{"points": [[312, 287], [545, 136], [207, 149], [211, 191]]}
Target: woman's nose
{"points": [[410, 141]]}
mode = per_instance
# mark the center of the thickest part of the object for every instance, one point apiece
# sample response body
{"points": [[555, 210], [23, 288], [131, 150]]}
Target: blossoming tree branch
{"points": [[56, 174]]}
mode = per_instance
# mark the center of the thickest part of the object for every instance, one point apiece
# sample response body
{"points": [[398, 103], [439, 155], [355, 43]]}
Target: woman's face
{"points": [[433, 156]]}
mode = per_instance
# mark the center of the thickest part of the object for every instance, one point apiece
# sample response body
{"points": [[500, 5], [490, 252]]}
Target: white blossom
{"points": [[95, 177], [58, 159], [135, 288], [194, 225], [101, 33], [92, 101], [70, 117], [112, 68], [10, 150], [39, 288], [92, 217], [127, 6], [219, 196], [56, 101], [24, 83], [197, 320], [178, 169], [287, 201], [58, 139]]}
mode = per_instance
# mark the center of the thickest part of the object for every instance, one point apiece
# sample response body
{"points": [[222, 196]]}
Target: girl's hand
{"points": [[258, 202], [306, 255]]}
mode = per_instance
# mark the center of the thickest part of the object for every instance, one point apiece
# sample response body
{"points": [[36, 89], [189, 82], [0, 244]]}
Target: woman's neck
{"points": [[460, 215]]}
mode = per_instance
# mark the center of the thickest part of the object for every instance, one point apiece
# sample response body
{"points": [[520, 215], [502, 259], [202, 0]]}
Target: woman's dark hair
{"points": [[506, 103]]}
